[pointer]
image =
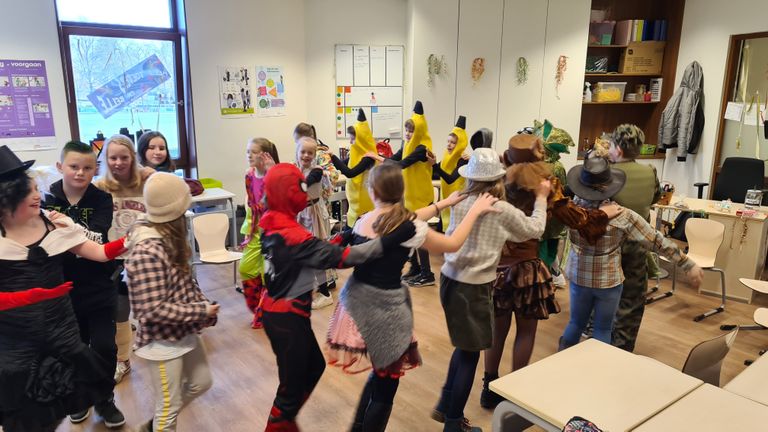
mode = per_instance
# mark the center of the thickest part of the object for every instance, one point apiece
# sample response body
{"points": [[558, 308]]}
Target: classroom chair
{"points": [[737, 175], [705, 360], [210, 231], [704, 239]]}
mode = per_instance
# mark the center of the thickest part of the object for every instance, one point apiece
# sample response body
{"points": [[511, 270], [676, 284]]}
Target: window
{"points": [[136, 13], [124, 76]]}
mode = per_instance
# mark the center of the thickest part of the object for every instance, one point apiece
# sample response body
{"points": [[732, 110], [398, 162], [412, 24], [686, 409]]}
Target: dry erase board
{"points": [[370, 77]]}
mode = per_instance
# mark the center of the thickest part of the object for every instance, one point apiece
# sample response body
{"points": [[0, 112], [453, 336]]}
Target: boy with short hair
{"points": [[94, 297]]}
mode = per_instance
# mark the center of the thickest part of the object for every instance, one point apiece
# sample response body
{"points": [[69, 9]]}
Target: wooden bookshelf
{"points": [[647, 115]]}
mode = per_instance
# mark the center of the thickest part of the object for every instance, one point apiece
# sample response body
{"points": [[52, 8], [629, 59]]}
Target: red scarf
{"points": [[275, 222]]}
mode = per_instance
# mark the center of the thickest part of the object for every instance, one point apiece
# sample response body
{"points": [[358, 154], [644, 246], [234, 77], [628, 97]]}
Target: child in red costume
{"points": [[290, 253]]}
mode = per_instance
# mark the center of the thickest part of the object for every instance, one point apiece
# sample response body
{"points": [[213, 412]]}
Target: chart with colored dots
{"points": [[371, 78], [270, 87]]}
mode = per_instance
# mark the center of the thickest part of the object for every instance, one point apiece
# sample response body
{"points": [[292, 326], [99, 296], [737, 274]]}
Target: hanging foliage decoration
{"points": [[562, 66], [435, 66], [478, 68], [522, 71]]}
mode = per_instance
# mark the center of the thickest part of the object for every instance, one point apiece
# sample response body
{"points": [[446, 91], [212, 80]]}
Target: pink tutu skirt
{"points": [[345, 348]]}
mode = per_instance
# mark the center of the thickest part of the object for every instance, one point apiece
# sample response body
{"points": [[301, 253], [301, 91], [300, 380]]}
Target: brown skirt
{"points": [[525, 288]]}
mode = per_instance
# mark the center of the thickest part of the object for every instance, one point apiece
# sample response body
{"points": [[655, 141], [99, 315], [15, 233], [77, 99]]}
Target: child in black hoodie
{"points": [[94, 296]]}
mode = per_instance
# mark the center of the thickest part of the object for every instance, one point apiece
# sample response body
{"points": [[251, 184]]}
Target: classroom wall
{"points": [[707, 27], [331, 22], [244, 32], [29, 32]]}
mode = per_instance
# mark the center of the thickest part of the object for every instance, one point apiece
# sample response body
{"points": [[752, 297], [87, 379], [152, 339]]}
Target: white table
{"points": [[752, 382], [219, 197], [709, 409], [614, 389]]}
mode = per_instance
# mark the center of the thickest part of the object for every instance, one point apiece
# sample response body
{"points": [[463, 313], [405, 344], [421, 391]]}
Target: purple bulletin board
{"points": [[25, 102]]}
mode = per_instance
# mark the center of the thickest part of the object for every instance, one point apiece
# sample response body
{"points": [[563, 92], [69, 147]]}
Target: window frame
{"points": [[187, 159]]}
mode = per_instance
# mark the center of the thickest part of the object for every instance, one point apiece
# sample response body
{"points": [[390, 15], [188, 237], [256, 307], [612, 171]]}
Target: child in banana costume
{"points": [[448, 169], [362, 142]]}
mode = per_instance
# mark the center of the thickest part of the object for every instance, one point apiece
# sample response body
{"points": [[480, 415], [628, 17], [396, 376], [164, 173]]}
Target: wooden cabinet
{"points": [[597, 118]]}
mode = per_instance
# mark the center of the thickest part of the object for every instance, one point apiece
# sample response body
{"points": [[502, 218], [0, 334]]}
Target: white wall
{"points": [[29, 33], [331, 22], [707, 27], [244, 32]]}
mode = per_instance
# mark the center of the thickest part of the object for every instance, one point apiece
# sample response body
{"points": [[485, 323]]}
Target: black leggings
{"points": [[458, 384], [300, 363], [377, 391], [420, 260]]}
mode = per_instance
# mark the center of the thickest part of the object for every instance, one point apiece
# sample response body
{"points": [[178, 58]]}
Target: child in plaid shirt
{"points": [[594, 270], [167, 302]]}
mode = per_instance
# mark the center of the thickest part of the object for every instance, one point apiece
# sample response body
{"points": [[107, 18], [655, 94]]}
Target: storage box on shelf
{"points": [[632, 64]]}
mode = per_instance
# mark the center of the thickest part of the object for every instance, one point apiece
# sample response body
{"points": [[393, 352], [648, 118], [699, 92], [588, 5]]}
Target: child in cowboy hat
{"points": [[594, 270], [468, 274]]}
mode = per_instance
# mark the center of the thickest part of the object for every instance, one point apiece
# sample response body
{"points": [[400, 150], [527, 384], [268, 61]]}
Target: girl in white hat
{"points": [[467, 276]]}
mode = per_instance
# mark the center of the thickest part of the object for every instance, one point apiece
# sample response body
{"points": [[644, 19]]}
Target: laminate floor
{"points": [[245, 376]]}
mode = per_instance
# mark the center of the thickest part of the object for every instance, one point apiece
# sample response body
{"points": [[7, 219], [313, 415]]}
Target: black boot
{"points": [[377, 417], [489, 399], [459, 425]]}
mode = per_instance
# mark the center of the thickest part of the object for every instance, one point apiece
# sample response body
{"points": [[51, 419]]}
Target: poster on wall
{"points": [[370, 77], [271, 91], [235, 91], [26, 120]]}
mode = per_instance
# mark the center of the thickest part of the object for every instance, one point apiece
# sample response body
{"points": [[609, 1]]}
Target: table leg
{"points": [[233, 223], [509, 417]]}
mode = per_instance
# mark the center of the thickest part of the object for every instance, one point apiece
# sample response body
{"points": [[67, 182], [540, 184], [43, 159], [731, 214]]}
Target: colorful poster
{"points": [[271, 91], [235, 91], [25, 103], [129, 86]]}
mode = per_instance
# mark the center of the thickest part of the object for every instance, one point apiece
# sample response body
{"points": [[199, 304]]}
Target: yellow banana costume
{"points": [[418, 177], [448, 165], [357, 191]]}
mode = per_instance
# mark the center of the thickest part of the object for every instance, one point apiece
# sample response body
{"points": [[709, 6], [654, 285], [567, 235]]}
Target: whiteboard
{"points": [[373, 96], [362, 66], [394, 65], [378, 66], [387, 122], [344, 56]]}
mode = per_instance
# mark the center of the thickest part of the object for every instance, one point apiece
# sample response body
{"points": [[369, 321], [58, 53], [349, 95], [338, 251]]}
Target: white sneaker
{"points": [[320, 301], [559, 281], [122, 369]]}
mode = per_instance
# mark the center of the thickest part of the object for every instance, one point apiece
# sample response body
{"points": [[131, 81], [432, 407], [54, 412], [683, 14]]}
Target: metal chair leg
{"points": [[665, 294], [720, 308]]}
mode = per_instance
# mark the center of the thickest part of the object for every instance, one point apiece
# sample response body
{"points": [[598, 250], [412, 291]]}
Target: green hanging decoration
{"points": [[435, 66], [522, 71]]}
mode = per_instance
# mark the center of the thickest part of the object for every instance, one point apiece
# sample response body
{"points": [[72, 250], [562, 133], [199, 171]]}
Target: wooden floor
{"points": [[245, 375]]}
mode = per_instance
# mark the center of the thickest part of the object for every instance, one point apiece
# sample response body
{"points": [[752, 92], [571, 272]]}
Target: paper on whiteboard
{"points": [[733, 111], [750, 117]]}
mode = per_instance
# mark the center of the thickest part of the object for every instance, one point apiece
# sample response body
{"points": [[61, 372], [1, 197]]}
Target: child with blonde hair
{"points": [[123, 178], [315, 216], [261, 154]]}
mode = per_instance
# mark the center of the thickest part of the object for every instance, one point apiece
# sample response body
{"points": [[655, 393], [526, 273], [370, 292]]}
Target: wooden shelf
{"points": [[603, 75], [619, 103], [606, 46]]}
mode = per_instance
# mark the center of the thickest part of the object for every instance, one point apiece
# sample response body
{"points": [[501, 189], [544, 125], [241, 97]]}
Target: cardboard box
{"points": [[642, 57]]}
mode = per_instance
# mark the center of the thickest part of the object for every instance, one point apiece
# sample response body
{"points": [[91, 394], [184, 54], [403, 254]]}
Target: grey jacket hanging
{"points": [[682, 121]]}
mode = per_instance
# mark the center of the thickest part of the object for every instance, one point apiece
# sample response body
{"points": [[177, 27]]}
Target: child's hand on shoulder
{"points": [[212, 309], [484, 204], [146, 172], [611, 209], [455, 198], [542, 191]]}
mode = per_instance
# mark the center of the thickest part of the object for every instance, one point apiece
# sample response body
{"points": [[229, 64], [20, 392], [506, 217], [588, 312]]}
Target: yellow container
{"points": [[609, 92]]}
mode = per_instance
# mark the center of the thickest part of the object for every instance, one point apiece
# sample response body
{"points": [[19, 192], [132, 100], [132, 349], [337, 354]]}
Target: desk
{"points": [[737, 259], [216, 197], [709, 409], [614, 389], [752, 382]]}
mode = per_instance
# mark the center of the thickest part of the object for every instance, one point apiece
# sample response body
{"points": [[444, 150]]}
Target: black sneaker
{"points": [[111, 415], [421, 281], [79, 417], [412, 274]]}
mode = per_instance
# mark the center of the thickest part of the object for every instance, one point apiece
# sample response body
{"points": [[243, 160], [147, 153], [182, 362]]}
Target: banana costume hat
{"points": [[418, 177], [357, 191], [448, 165]]}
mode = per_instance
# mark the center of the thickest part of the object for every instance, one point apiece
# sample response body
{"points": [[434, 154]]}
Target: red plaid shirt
{"points": [[167, 303]]}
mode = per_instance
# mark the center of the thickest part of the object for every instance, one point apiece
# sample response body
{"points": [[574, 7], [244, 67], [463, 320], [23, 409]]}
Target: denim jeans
{"points": [[584, 300]]}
